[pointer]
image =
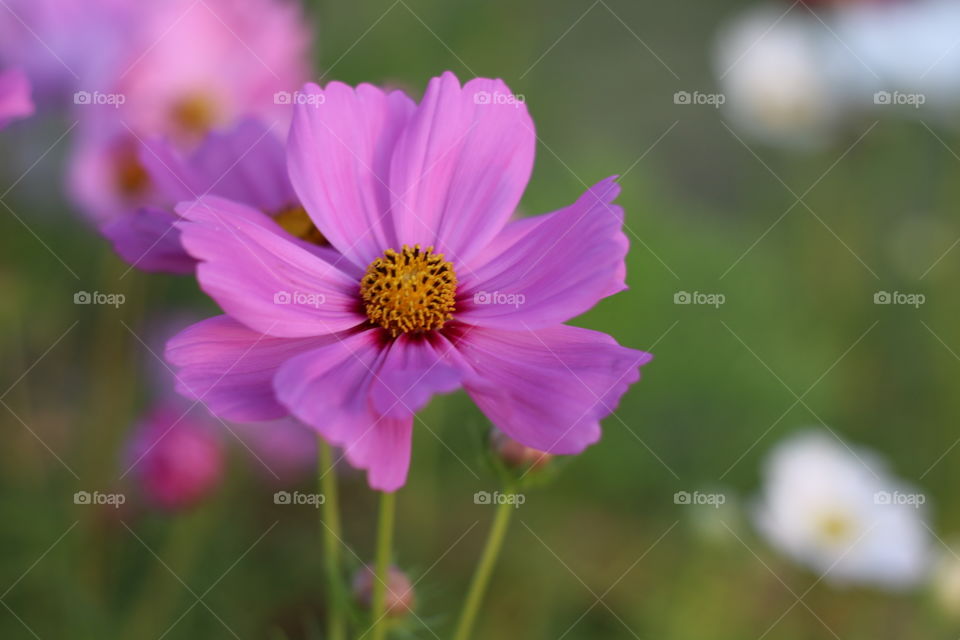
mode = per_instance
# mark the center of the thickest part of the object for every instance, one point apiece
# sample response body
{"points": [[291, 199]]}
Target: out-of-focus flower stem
{"points": [[384, 551], [332, 535], [481, 577]]}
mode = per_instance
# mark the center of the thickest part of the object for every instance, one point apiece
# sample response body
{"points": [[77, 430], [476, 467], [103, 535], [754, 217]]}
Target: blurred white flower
{"points": [[777, 73], [839, 512]]}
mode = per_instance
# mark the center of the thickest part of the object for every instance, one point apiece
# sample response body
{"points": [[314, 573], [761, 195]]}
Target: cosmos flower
{"points": [[432, 288], [839, 512], [190, 68], [174, 457], [15, 99], [246, 164]]}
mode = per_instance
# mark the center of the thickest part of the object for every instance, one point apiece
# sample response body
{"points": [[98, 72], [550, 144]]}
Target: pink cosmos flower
{"points": [[175, 459], [15, 99], [246, 164], [432, 288], [189, 68]]}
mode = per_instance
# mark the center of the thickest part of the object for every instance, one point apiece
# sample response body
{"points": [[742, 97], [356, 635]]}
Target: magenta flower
{"points": [[433, 288], [174, 458], [187, 68], [246, 164], [15, 99]]}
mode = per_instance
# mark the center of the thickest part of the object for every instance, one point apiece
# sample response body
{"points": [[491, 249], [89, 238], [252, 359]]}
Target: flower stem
{"points": [[332, 534], [481, 577], [384, 548]]}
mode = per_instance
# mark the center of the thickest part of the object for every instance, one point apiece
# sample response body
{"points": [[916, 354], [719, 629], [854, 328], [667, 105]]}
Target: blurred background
{"points": [[754, 268]]}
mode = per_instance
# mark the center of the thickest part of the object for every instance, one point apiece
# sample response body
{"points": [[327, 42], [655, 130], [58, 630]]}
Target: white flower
{"points": [[837, 511], [776, 72]]}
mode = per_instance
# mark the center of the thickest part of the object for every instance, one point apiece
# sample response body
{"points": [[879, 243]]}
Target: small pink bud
{"points": [[399, 595], [516, 455], [174, 459]]}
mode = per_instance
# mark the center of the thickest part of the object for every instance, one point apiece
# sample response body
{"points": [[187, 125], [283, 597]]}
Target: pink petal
{"points": [[461, 165], [15, 99], [411, 373], [361, 392], [230, 368], [548, 389], [551, 272], [147, 240], [339, 151], [247, 164], [261, 277]]}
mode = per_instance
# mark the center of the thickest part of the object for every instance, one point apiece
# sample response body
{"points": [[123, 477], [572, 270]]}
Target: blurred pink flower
{"points": [[190, 68], [174, 457], [15, 99], [432, 288], [246, 164]]}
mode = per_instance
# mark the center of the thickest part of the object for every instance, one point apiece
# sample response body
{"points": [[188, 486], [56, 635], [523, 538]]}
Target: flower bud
{"points": [[174, 458], [516, 455], [399, 592]]}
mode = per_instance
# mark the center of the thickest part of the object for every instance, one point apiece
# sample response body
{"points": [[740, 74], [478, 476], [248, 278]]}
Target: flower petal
{"points": [[263, 278], [461, 165], [553, 271], [329, 389], [339, 151], [548, 389], [146, 239], [230, 368], [411, 373], [247, 164]]}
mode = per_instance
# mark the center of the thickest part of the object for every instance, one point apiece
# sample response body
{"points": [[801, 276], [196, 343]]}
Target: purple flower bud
{"points": [[399, 595]]}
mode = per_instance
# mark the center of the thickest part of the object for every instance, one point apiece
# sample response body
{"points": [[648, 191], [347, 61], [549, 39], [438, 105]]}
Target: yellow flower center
{"points": [[297, 222], [195, 115], [410, 291], [835, 527], [131, 178]]}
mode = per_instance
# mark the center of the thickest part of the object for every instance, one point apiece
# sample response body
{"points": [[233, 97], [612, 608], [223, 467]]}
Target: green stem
{"points": [[332, 534], [384, 548], [481, 577]]}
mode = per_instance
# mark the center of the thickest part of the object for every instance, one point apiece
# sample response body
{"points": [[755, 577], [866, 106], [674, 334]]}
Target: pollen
{"points": [[410, 291], [297, 222]]}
